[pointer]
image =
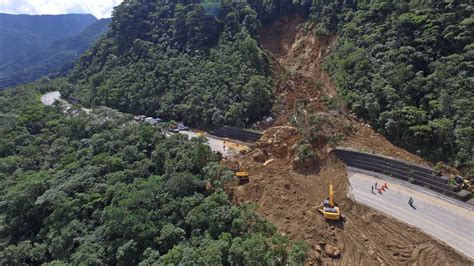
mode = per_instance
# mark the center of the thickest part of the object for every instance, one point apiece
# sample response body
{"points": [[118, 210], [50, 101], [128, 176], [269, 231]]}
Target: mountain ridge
{"points": [[56, 59], [23, 34]]}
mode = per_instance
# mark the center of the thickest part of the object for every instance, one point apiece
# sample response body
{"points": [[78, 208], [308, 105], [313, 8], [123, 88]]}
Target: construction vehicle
{"points": [[241, 148], [200, 133], [242, 175], [463, 183], [329, 210]]}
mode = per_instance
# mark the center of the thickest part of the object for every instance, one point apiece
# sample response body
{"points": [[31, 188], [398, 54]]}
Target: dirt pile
{"points": [[297, 56], [289, 198], [278, 141]]}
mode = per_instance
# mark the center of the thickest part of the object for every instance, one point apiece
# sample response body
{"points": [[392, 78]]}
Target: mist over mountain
{"points": [[21, 35], [54, 60]]}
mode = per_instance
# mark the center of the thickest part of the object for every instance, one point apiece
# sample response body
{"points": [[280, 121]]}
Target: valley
{"points": [[320, 133]]}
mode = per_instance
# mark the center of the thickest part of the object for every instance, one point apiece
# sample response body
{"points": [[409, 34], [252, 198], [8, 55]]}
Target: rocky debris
{"points": [[276, 135], [260, 156], [268, 191], [280, 150], [268, 162], [364, 237], [317, 258], [318, 248], [277, 140], [301, 166], [332, 251]]}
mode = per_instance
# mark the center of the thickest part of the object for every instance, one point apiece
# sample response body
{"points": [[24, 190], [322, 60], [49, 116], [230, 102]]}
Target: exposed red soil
{"points": [[288, 192]]}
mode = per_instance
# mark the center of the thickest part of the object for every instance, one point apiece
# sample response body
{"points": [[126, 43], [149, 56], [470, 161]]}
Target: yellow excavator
{"points": [[241, 148], [242, 175], [200, 133], [329, 210]]}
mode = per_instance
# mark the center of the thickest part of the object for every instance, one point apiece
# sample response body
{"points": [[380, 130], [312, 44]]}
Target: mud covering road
{"points": [[288, 192], [289, 199], [216, 144]]}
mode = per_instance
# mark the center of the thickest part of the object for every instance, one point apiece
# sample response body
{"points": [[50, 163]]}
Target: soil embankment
{"points": [[288, 190]]}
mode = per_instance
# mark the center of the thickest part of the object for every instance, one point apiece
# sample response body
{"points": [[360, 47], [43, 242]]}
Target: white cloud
{"points": [[99, 8]]}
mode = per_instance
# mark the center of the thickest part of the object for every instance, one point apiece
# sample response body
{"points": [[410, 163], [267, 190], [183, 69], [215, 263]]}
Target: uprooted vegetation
{"points": [[309, 124], [111, 193]]}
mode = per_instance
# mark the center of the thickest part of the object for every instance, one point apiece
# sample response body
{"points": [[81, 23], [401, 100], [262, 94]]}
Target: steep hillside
{"points": [[407, 69], [23, 34], [310, 122], [199, 62], [55, 60], [100, 189], [196, 62]]}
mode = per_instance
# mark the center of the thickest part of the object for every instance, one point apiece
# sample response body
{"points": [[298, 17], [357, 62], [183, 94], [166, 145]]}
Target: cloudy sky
{"points": [[99, 8]]}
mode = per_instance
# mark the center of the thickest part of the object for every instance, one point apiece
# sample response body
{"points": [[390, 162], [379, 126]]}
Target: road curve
{"points": [[216, 144], [441, 219], [50, 98]]}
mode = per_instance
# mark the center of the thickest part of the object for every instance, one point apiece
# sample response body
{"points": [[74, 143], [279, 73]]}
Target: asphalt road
{"points": [[441, 219], [50, 97], [216, 145]]}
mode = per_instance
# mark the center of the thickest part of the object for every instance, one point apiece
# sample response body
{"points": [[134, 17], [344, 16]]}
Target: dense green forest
{"points": [[191, 61], [55, 60], [100, 189], [406, 67]]}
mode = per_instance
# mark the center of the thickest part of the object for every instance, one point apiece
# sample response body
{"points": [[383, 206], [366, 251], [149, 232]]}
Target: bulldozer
{"points": [[329, 210]]}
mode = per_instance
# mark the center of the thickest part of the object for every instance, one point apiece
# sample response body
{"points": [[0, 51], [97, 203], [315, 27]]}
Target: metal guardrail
{"points": [[417, 174], [468, 204], [236, 133]]}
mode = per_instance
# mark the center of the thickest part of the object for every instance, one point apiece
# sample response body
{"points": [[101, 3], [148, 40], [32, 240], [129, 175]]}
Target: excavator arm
{"points": [[331, 196]]}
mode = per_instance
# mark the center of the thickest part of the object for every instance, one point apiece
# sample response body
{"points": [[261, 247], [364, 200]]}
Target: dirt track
{"points": [[288, 195]]}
